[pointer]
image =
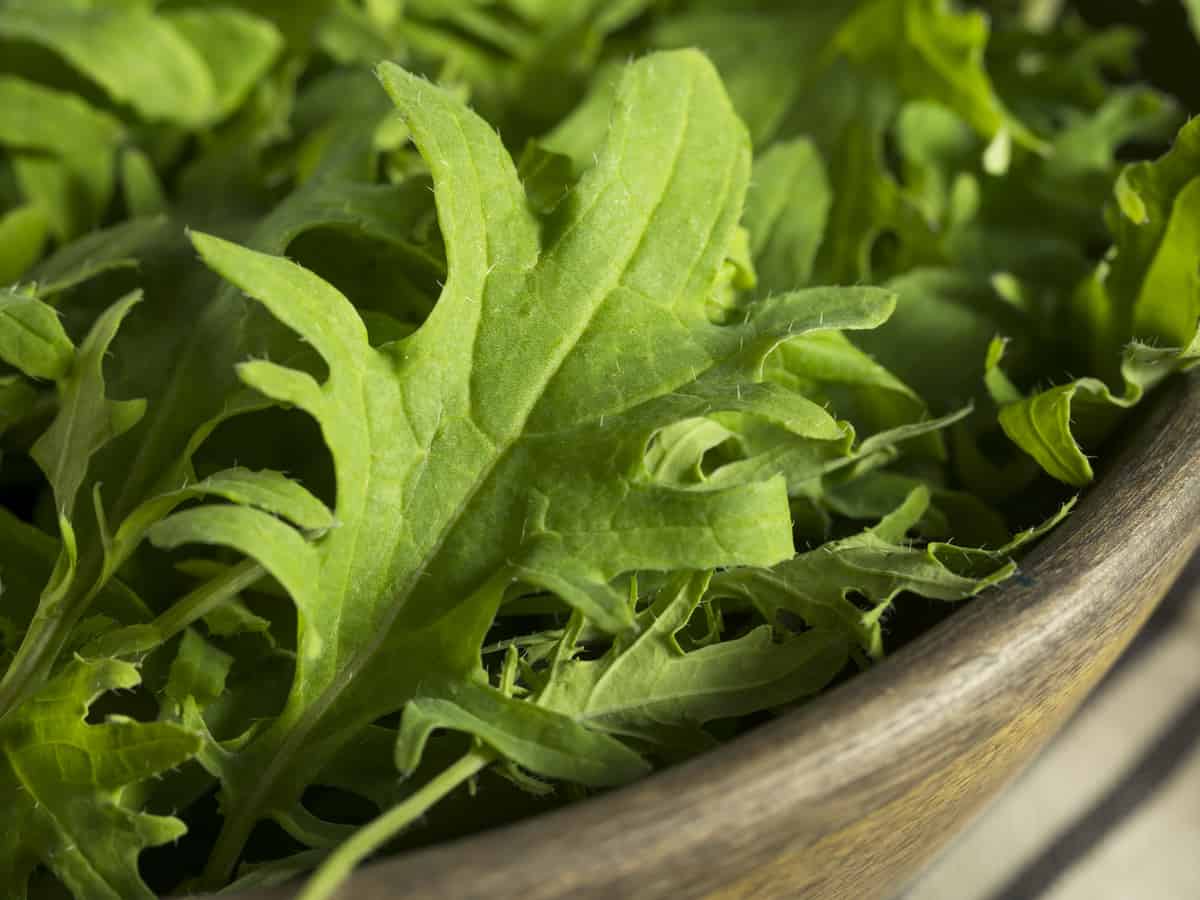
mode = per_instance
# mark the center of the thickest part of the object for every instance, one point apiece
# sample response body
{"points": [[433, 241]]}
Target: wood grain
{"points": [[850, 796]]}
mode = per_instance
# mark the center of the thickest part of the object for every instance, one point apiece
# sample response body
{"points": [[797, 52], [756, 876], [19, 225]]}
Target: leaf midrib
{"points": [[316, 709]]}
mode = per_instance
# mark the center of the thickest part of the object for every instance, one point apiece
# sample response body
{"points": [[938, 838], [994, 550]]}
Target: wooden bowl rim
{"points": [[1140, 521]]}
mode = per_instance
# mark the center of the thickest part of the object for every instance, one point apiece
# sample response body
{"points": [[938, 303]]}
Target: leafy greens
{"points": [[524, 393]]}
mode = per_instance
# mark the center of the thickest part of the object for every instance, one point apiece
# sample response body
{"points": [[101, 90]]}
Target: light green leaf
{"points": [[64, 152], [190, 67], [237, 48], [646, 686], [31, 336], [828, 368], [539, 739], [787, 210], [87, 419], [142, 190], [565, 408], [22, 236], [1051, 424], [879, 564], [198, 673], [1145, 300], [929, 49], [1152, 284], [62, 782]]}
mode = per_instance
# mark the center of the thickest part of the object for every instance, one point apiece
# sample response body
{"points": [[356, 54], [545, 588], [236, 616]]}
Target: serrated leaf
{"points": [[539, 739], [62, 782], [1145, 299], [197, 673], [878, 564], [197, 346], [1051, 425], [420, 435], [87, 419], [645, 687], [27, 559]]}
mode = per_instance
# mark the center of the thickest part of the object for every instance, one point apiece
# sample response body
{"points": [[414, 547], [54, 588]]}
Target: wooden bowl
{"points": [[851, 795]]}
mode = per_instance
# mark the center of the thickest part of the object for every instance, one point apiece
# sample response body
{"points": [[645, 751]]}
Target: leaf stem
{"points": [[208, 597], [329, 876], [138, 640], [42, 641]]}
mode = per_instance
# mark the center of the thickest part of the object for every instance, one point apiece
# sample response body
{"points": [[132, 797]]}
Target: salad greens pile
{"points": [[523, 394]]}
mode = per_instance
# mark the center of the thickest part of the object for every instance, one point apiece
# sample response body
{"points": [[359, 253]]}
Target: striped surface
{"points": [[1111, 810]]}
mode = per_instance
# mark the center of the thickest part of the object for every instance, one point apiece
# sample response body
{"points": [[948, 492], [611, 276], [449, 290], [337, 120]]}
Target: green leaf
{"points": [[143, 192], [648, 687], [63, 780], [1144, 299], [104, 250], [539, 739], [879, 564], [189, 67], [786, 214], [828, 368], [1193, 8], [18, 400], [1152, 285], [63, 152], [32, 337], [197, 342], [839, 73], [198, 673], [564, 408], [573, 416], [237, 48], [928, 49], [952, 514], [87, 419], [27, 560], [22, 236], [768, 54], [938, 339], [1051, 424]]}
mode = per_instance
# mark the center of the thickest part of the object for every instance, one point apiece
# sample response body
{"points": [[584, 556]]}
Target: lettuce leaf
{"points": [[533, 402], [398, 397], [63, 782]]}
